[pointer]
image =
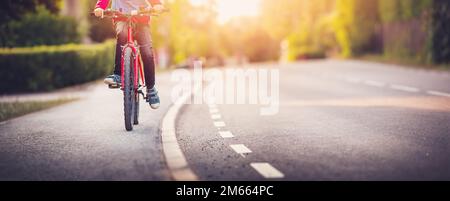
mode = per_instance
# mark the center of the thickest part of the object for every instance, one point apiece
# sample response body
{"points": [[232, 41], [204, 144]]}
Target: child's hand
{"points": [[98, 12]]}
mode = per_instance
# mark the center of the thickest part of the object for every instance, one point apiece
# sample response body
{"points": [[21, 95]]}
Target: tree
{"points": [[15, 9], [301, 23], [441, 30], [354, 25]]}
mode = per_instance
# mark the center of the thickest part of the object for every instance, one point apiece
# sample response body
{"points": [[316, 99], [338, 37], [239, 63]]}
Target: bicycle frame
{"points": [[137, 65], [131, 104]]}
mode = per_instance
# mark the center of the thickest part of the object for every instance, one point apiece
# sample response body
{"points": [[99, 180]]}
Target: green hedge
{"points": [[46, 68], [40, 28]]}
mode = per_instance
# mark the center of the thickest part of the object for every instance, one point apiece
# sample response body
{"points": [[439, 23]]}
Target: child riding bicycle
{"points": [[143, 38]]}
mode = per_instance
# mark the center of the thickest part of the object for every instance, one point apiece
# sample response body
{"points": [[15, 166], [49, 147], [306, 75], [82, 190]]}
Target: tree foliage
{"points": [[14, 9], [415, 29], [397, 28], [41, 28], [441, 30], [303, 25], [35, 22]]}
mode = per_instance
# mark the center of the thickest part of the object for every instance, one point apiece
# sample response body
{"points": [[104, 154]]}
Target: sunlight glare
{"points": [[228, 9]]}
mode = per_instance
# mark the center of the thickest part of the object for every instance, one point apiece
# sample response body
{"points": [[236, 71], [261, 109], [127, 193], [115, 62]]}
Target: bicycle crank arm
{"points": [[140, 91]]}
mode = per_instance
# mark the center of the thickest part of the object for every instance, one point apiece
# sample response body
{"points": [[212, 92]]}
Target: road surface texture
{"points": [[85, 140], [337, 120]]}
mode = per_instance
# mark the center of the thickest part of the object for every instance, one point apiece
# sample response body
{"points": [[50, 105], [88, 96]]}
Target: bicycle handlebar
{"points": [[115, 14]]}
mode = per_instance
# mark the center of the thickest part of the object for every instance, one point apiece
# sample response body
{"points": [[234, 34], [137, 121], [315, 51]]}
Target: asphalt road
{"points": [[85, 140], [337, 120]]}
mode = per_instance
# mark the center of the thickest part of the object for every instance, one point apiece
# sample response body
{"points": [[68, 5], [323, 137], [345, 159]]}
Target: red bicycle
{"points": [[133, 80]]}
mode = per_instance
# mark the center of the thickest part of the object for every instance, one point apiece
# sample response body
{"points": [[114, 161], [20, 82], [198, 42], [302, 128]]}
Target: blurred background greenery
{"points": [[46, 43]]}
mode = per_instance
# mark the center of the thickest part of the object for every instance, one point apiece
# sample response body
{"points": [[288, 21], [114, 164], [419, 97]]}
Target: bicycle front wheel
{"points": [[129, 92], [136, 97]]}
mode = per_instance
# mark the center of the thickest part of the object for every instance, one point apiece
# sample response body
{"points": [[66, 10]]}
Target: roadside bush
{"points": [[406, 29], [354, 24], [45, 68], [100, 30], [14, 10], [301, 46], [41, 28], [441, 30]]}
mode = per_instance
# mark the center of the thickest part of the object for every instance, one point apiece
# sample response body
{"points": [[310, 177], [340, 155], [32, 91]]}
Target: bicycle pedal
{"points": [[114, 86]]}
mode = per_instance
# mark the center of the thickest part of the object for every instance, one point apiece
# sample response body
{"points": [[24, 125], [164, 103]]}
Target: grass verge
{"points": [[16, 109]]}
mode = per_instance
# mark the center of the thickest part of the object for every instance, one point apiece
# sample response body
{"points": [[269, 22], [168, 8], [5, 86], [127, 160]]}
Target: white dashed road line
{"points": [[240, 149], [353, 80], [392, 86], [216, 116], [437, 93], [226, 134], [213, 111], [404, 88], [374, 83], [267, 170], [219, 124]]}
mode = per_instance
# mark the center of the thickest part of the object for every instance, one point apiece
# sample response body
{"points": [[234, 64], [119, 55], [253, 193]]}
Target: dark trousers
{"points": [[143, 37]]}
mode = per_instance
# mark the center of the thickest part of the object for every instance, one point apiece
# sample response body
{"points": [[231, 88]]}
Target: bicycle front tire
{"points": [[129, 91]]}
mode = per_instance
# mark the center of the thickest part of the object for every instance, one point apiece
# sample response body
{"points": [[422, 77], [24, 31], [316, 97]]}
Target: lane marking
{"points": [[212, 111], [374, 83], [353, 80], [240, 149], [267, 170], [437, 93], [404, 88], [216, 116], [226, 134], [219, 124], [175, 159]]}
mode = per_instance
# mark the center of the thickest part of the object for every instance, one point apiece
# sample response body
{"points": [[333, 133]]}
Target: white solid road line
{"points": [[240, 149], [219, 124], [374, 83], [226, 134], [216, 116], [404, 88], [437, 93], [267, 170], [176, 162]]}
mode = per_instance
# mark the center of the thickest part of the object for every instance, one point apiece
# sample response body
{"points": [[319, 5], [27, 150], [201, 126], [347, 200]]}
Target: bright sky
{"points": [[228, 9]]}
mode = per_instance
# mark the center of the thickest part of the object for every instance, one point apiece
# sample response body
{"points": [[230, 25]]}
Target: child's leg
{"points": [[145, 41], [121, 36]]}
